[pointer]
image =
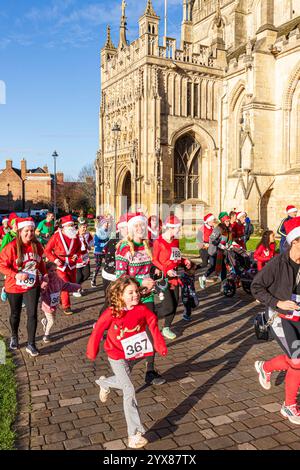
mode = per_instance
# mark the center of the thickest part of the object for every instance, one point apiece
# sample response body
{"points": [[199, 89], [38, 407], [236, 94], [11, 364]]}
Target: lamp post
{"points": [[116, 130], [54, 155], [158, 173]]}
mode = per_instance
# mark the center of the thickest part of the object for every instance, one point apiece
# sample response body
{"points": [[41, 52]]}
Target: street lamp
{"points": [[116, 130], [158, 173], [54, 155]]}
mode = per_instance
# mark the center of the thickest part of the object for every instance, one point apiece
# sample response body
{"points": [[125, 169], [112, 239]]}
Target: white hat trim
{"points": [[173, 225], [28, 223], [135, 220], [5, 220], [241, 215], [295, 233], [292, 210], [67, 223], [210, 219]]}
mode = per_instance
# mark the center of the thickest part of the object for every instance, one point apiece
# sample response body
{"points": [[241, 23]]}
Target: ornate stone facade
{"points": [[222, 112]]}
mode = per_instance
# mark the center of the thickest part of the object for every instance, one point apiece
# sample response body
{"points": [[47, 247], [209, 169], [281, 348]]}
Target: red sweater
{"points": [[262, 255], [31, 263], [167, 256], [238, 232], [133, 322]]}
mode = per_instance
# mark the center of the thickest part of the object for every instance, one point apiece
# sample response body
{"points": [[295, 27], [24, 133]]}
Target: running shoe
{"points": [[154, 378], [103, 394], [264, 377], [68, 311], [137, 441], [44, 323], [291, 412], [47, 339], [186, 317], [77, 294], [14, 343], [93, 283], [167, 333], [3, 295], [202, 282], [32, 350]]}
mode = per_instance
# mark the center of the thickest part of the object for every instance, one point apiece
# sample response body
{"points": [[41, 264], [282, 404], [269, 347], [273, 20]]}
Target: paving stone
{"points": [[220, 443], [73, 444], [55, 437], [71, 401], [246, 447], [272, 407], [219, 420], [114, 445], [263, 431], [241, 437]]}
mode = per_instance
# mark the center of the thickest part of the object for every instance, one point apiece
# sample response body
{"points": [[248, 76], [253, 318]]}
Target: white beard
{"points": [[71, 233]]}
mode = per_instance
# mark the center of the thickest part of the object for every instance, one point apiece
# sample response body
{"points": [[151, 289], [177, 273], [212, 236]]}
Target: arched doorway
{"points": [[264, 210], [187, 153], [126, 193]]}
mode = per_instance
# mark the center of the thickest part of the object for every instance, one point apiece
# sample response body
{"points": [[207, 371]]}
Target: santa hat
{"points": [[292, 228], [123, 220], [209, 218], [172, 222], [291, 209], [6, 219], [239, 215], [135, 218], [68, 219], [27, 222]]}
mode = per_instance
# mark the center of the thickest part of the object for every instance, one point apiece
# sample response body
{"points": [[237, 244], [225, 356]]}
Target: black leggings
{"points": [[82, 274], [212, 267], [150, 359], [204, 257], [167, 308], [31, 299]]}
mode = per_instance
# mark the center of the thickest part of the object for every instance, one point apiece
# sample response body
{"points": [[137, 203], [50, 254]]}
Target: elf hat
{"points": [[135, 218], [172, 222], [292, 228], [291, 209], [68, 219], [209, 218], [123, 220], [239, 215], [223, 216], [27, 222]]}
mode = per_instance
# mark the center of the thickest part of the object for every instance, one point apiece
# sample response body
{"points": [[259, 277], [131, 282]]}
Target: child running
{"points": [[125, 320], [52, 287]]}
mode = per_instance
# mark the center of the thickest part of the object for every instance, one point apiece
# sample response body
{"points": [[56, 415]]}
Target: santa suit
{"points": [[238, 233], [66, 250]]}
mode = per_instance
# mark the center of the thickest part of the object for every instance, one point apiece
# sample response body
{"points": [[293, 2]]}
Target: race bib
{"points": [[29, 282], [137, 346], [54, 299], [175, 254]]}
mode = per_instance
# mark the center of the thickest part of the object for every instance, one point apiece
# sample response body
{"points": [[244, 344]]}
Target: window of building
{"points": [[186, 168]]}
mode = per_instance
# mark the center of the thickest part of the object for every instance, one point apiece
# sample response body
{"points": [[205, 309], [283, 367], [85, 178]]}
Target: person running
{"points": [[83, 266], [167, 258], [238, 230], [101, 239], [4, 229], [51, 289], [291, 212], [188, 292], [277, 286], [45, 229], [266, 249], [134, 258], [219, 239], [63, 249], [127, 340], [21, 261], [203, 235]]}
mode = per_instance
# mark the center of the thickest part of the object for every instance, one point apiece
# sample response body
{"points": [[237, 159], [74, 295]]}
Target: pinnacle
{"points": [[109, 43], [149, 9]]}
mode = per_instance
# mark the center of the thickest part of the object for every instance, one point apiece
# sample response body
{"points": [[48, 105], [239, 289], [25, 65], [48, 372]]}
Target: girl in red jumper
{"points": [[265, 249], [21, 262], [125, 321], [167, 258]]}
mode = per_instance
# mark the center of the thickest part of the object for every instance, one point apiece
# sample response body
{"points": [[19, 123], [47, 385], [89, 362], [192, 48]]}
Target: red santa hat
{"points": [[239, 215], [172, 222], [68, 219], [291, 209], [209, 218], [27, 222], [123, 220], [135, 218], [292, 228], [6, 219]]}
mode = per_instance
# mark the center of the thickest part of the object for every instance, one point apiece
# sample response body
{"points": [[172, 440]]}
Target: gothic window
{"points": [[186, 168], [189, 99], [196, 99]]}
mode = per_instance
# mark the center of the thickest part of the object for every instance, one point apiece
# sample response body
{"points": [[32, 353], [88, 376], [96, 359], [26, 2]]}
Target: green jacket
{"points": [[9, 237]]}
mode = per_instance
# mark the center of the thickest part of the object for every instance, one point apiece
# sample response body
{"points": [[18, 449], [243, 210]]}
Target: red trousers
{"points": [[67, 276], [292, 378]]}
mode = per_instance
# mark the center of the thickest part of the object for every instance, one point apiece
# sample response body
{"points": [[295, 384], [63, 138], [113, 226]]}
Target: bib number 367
{"points": [[137, 346]]}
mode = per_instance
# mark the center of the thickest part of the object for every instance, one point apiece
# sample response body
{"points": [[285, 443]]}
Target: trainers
{"points": [[186, 317], [167, 333], [14, 343], [154, 378], [68, 311], [103, 394], [3, 295], [264, 377], [47, 339], [93, 283], [137, 441], [32, 350], [77, 294], [202, 282], [44, 323], [291, 412]]}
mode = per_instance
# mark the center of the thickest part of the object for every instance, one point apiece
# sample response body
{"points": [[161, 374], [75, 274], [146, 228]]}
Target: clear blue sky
{"points": [[50, 63]]}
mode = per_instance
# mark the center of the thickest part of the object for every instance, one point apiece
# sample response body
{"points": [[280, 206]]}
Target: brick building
{"points": [[23, 189]]}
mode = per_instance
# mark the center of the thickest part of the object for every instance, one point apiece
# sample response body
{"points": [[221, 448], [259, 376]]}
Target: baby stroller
{"points": [[241, 270]]}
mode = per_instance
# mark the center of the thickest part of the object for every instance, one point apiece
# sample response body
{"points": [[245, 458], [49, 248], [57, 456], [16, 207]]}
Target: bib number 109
{"points": [[137, 346]]}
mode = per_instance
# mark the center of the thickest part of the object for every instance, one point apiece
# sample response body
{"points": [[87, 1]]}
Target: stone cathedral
{"points": [[213, 121]]}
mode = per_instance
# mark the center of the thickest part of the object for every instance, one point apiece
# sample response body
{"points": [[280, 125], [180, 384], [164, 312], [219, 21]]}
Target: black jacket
{"points": [[276, 281]]}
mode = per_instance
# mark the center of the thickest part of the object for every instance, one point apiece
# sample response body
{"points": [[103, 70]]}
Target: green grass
{"points": [[189, 246], [8, 403]]}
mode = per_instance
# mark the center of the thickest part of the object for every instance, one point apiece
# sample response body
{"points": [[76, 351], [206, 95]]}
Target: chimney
{"points": [[45, 168], [9, 164], [59, 178], [23, 169]]}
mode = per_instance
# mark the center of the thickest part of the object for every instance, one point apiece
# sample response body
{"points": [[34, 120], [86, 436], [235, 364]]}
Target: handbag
{"points": [[262, 326]]}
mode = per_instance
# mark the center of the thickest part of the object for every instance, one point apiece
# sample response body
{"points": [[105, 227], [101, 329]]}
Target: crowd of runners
{"points": [[144, 276]]}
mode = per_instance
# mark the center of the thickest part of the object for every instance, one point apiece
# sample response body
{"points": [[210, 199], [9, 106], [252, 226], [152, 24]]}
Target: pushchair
{"points": [[241, 270]]}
